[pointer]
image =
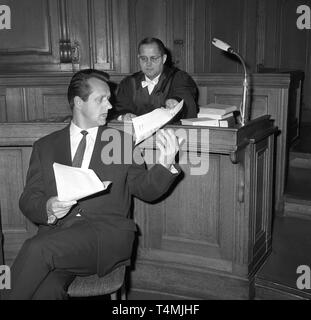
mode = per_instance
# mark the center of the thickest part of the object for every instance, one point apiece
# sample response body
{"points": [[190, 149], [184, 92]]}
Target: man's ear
{"points": [[164, 58], [77, 102]]}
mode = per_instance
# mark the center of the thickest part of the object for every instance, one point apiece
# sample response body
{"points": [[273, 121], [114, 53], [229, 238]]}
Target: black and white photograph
{"points": [[155, 150]]}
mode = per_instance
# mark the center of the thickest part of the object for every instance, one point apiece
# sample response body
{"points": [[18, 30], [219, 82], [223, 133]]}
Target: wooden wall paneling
{"points": [[180, 33], [16, 228], [101, 34], [233, 22], [79, 35], [147, 19], [33, 42], [16, 104], [249, 31], [34, 103], [280, 43], [270, 40], [293, 41], [47, 102], [34, 96], [55, 103], [108, 34], [232, 14], [190, 18], [261, 32], [261, 200], [202, 36], [179, 24], [183, 233], [306, 101], [169, 226], [3, 105], [121, 35], [254, 195]]}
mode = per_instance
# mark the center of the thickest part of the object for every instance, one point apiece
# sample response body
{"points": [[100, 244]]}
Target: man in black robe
{"points": [[155, 86]]}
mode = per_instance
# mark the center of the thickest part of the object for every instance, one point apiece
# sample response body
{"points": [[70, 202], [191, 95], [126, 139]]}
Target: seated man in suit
{"points": [[94, 234], [156, 85]]}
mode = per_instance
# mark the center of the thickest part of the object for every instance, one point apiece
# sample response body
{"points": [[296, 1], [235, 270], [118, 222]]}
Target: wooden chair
{"points": [[91, 286]]}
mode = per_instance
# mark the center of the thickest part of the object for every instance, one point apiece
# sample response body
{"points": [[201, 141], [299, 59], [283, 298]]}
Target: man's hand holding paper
{"points": [[168, 145], [58, 208], [76, 183], [149, 123]]}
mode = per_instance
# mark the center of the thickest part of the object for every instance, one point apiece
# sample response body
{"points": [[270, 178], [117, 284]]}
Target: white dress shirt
{"points": [[150, 84], [75, 138]]}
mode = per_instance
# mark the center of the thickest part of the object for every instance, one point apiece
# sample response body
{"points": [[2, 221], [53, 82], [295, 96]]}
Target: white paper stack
{"points": [[149, 123], [76, 183]]}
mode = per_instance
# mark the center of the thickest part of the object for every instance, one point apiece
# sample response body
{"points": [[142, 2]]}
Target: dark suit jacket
{"points": [[107, 212], [173, 83]]}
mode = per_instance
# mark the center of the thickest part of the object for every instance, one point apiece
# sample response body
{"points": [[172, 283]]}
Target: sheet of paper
{"points": [[149, 123], [76, 183]]}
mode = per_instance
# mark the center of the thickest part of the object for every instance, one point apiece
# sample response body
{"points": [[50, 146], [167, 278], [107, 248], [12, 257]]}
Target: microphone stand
{"points": [[244, 110]]}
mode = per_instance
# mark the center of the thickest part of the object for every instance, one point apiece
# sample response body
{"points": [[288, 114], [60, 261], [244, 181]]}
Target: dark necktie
{"points": [[77, 159]]}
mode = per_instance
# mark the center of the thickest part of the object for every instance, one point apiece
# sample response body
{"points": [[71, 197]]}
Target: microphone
{"points": [[222, 45], [226, 47]]}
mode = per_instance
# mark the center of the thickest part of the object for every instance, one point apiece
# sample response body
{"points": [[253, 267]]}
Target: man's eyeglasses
{"points": [[153, 59]]}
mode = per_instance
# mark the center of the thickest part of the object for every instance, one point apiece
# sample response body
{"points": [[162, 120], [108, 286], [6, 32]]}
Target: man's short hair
{"points": [[79, 84], [156, 41]]}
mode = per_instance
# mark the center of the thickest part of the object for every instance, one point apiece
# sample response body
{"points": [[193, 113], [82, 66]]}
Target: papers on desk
{"points": [[149, 123], [76, 183]]}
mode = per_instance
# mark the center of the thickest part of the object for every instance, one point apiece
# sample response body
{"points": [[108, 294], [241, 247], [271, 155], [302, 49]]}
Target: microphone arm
{"points": [[226, 47]]}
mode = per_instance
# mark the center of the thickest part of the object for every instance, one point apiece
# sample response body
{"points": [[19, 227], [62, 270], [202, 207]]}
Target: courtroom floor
{"points": [[304, 143], [291, 242], [291, 247]]}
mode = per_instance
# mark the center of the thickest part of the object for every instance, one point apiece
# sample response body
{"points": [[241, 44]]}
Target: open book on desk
{"points": [[76, 183], [147, 124]]}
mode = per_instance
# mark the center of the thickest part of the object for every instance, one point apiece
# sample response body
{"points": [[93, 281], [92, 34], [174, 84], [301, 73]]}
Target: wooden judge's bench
{"points": [[207, 237]]}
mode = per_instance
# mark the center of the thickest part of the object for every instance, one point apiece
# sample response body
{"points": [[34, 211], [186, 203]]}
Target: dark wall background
{"points": [[65, 35]]}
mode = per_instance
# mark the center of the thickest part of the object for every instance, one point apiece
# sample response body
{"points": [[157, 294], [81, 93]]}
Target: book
{"points": [[229, 122], [216, 110], [216, 117]]}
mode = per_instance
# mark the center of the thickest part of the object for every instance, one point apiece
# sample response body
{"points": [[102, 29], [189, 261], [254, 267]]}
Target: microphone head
{"points": [[222, 45]]}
